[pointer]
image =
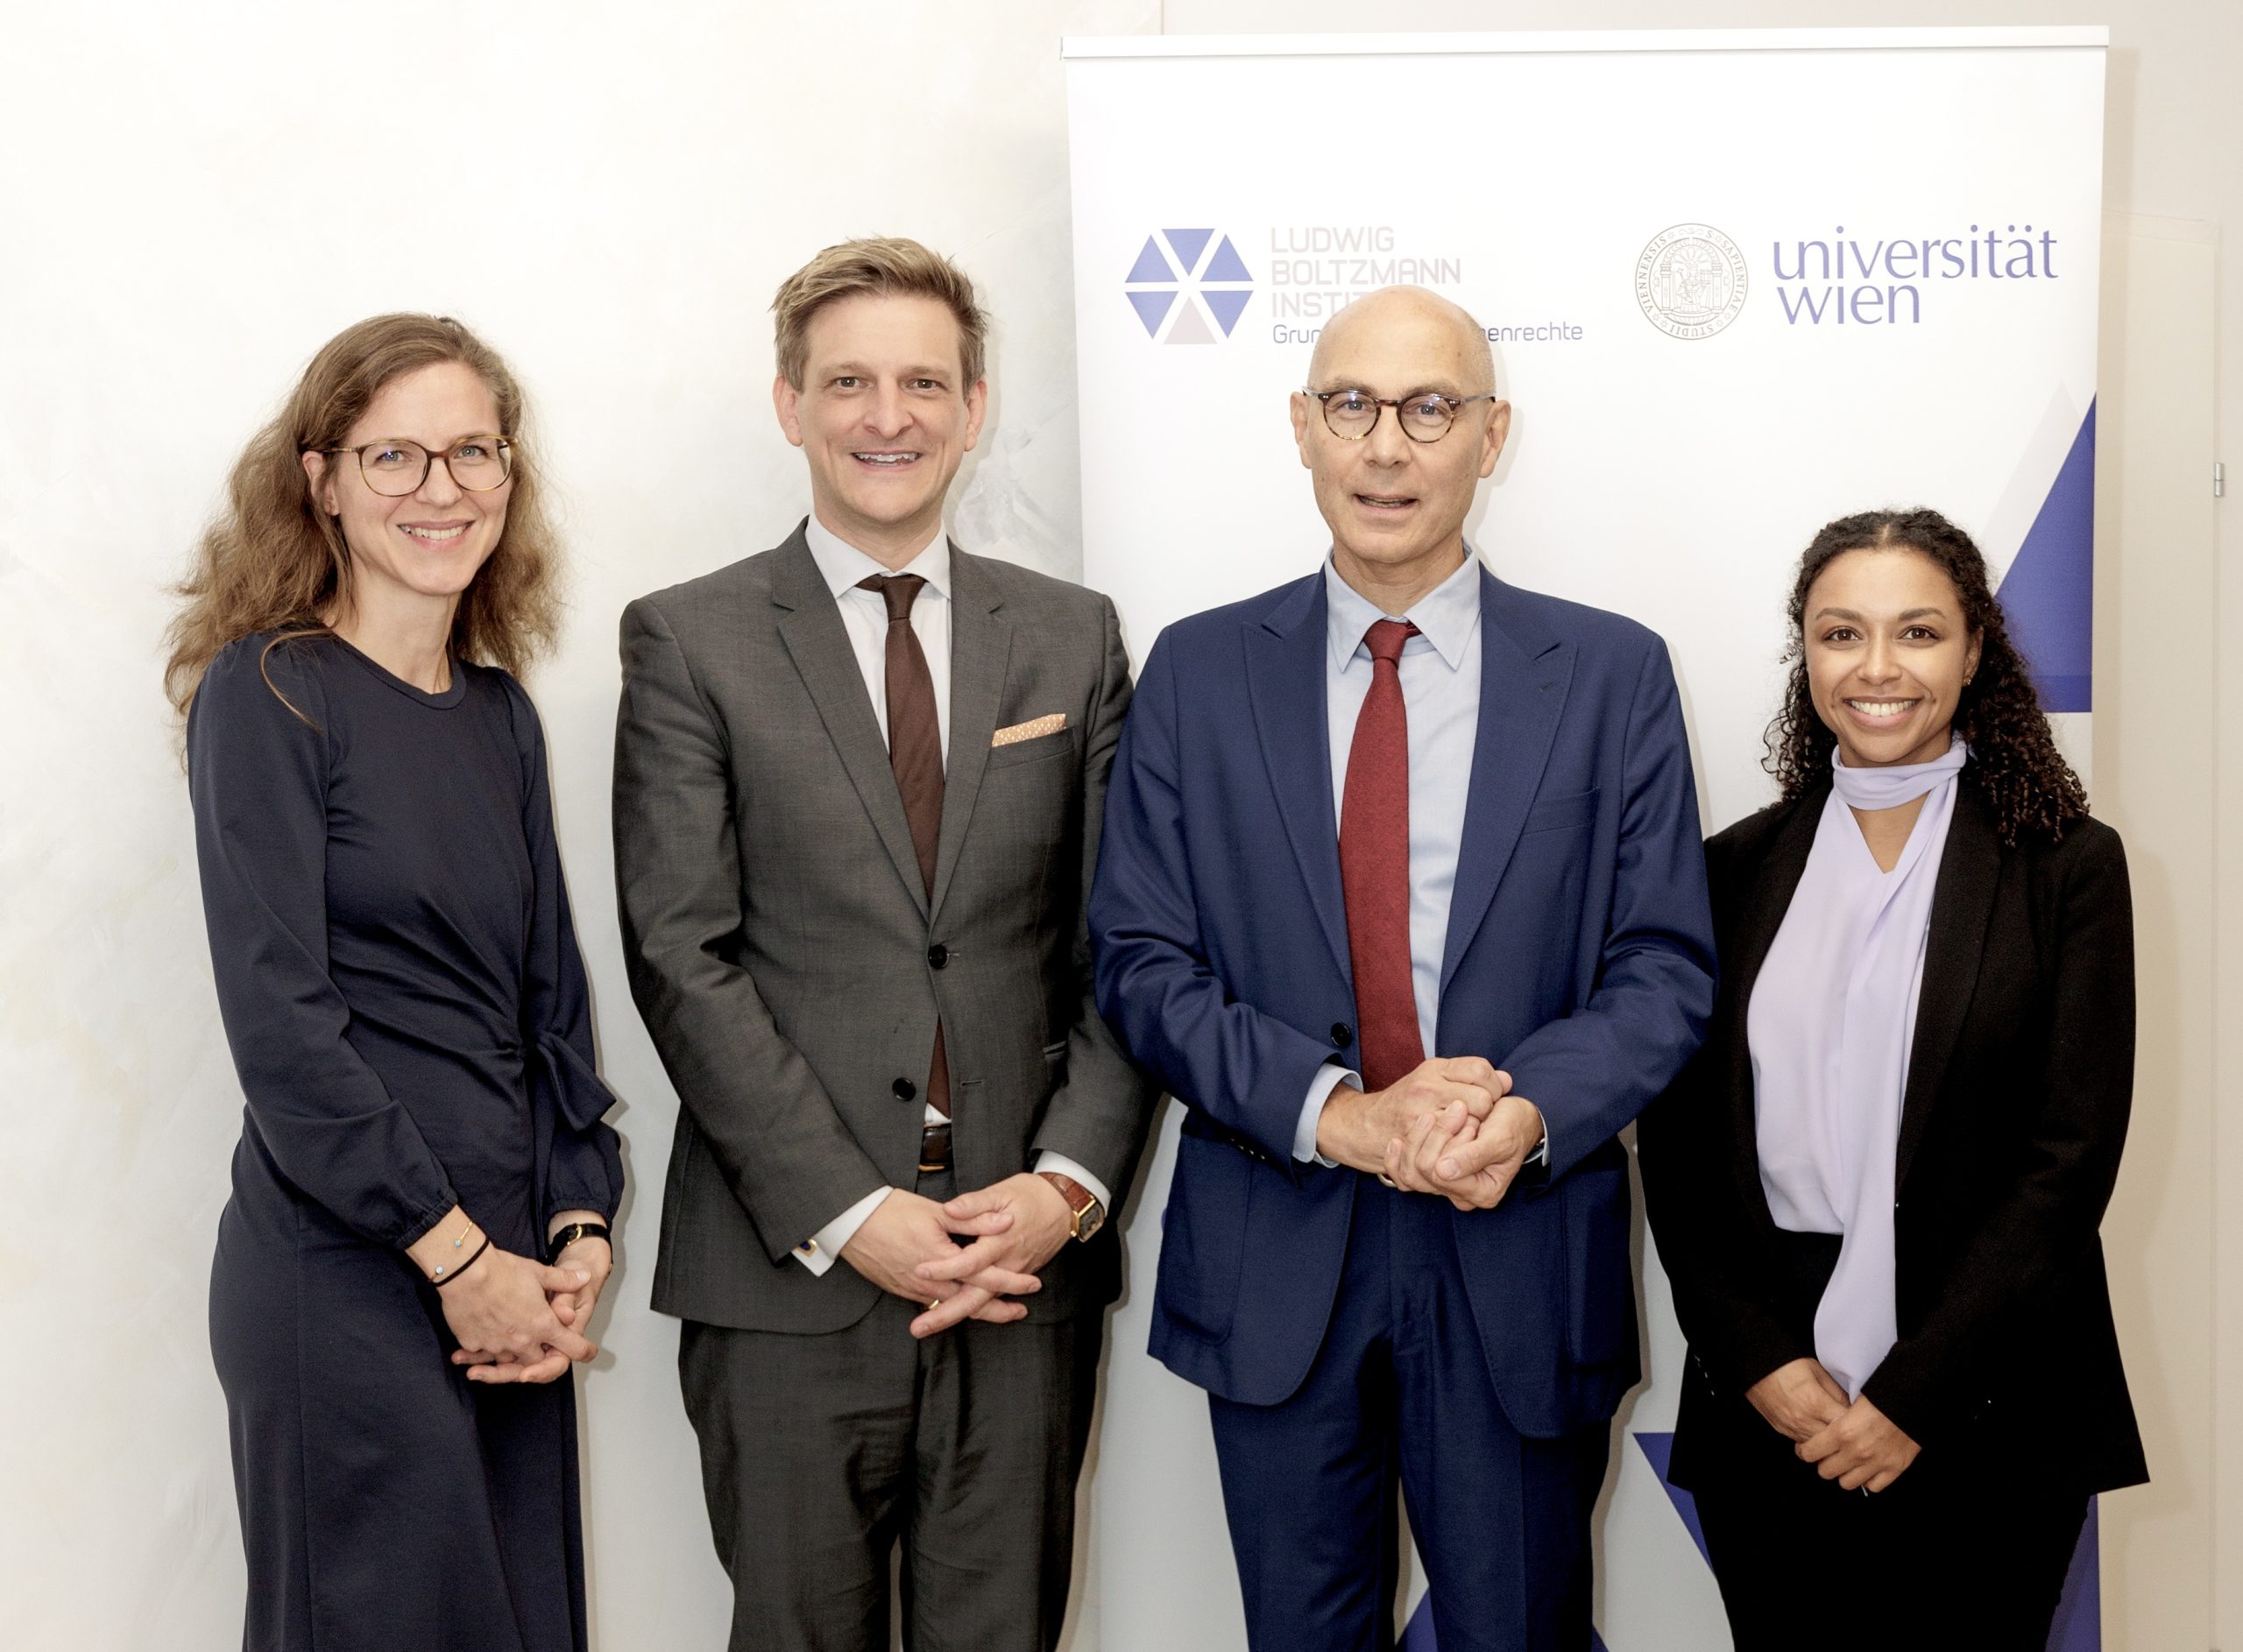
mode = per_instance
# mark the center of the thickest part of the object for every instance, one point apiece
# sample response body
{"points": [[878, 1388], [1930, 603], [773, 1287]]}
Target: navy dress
{"points": [[401, 986]]}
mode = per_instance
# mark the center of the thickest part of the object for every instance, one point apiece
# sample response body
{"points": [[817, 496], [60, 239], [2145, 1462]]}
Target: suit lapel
{"points": [[1523, 680], [818, 643], [1961, 904], [1286, 680], [981, 654], [1760, 915]]}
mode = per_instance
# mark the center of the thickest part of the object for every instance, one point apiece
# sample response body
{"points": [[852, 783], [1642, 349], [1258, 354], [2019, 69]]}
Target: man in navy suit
{"points": [[1401, 894]]}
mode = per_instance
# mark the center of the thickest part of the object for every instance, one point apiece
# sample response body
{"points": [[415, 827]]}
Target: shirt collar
{"points": [[1447, 616], [842, 564]]}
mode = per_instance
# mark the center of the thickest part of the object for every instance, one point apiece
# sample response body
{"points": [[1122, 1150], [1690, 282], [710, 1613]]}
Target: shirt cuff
{"points": [[1328, 1078], [1067, 1166], [821, 1249]]}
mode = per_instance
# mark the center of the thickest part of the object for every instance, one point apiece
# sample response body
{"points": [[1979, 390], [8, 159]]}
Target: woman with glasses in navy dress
{"points": [[419, 1225]]}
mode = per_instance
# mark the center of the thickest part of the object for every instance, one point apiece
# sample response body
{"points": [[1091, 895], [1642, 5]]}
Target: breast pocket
{"points": [[1573, 812], [1029, 802], [1042, 749], [1545, 885]]}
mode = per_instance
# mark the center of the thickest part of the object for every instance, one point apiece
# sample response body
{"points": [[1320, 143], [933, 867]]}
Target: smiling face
{"points": [[1396, 506], [1887, 654], [420, 549], [884, 418]]}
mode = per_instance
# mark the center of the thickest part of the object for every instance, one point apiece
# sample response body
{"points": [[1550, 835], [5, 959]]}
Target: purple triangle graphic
{"points": [[1150, 266], [1152, 306], [2048, 594], [1226, 266], [1189, 244], [1658, 1451], [2078, 1625], [1225, 302], [1418, 1637]]}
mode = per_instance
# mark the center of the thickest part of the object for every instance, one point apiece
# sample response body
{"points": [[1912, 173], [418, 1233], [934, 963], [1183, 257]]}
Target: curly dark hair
{"points": [[2032, 787]]}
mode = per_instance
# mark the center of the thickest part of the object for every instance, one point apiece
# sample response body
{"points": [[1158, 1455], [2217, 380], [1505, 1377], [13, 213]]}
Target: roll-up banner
{"points": [[1737, 284]]}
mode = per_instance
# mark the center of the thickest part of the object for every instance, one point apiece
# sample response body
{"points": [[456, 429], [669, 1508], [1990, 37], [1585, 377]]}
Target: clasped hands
{"points": [[1451, 1127], [908, 1247], [518, 1320], [1855, 1445]]}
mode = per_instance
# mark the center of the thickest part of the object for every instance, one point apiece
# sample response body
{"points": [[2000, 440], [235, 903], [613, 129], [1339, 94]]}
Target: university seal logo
{"points": [[1690, 281]]}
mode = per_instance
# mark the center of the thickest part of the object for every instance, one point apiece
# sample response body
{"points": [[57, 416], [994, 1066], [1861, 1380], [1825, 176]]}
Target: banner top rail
{"points": [[1576, 40]]}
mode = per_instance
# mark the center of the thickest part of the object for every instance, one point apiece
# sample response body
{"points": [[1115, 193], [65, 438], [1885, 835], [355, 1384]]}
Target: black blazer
{"points": [[2016, 1112]]}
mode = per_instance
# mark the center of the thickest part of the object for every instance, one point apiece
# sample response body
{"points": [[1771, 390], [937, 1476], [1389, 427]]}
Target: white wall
{"points": [[187, 223], [188, 217]]}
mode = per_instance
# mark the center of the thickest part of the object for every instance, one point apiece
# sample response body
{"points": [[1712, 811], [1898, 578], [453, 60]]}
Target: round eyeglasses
{"points": [[1352, 415], [397, 468]]}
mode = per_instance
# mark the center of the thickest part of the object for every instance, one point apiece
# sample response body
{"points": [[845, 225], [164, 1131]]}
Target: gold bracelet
{"points": [[437, 1277]]}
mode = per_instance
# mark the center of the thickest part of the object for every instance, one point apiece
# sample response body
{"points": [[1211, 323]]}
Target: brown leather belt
{"points": [[934, 1148]]}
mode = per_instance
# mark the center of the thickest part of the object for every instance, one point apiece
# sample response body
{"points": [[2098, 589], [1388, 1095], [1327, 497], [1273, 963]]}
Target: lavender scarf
{"points": [[1831, 1021]]}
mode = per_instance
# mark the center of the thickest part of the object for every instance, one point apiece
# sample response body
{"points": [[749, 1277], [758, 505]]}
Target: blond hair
{"points": [[881, 264], [273, 561]]}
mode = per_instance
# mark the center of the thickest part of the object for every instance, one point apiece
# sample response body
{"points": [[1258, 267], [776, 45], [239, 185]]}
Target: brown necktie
{"points": [[914, 752]]}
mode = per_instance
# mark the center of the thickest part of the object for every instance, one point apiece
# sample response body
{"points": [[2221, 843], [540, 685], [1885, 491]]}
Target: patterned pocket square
{"points": [[1034, 728]]}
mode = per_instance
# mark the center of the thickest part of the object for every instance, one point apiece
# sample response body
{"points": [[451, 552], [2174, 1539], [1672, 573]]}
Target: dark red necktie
{"points": [[1375, 866], [914, 752]]}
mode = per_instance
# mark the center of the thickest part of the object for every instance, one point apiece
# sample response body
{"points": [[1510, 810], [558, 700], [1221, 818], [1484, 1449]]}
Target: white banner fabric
{"points": [[1737, 285]]}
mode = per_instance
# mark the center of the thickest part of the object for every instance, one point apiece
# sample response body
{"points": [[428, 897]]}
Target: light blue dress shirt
{"points": [[1440, 693]]}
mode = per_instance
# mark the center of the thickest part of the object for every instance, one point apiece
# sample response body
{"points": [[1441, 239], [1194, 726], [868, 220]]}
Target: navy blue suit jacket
{"points": [[1579, 959]]}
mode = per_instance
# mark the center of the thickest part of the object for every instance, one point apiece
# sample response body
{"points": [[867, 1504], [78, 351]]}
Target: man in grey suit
{"points": [[858, 781]]}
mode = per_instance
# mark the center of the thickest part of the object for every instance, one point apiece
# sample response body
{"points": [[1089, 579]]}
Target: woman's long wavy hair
{"points": [[2033, 789], [273, 561]]}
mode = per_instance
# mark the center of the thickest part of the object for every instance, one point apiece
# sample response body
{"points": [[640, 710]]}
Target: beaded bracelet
{"points": [[447, 1278]]}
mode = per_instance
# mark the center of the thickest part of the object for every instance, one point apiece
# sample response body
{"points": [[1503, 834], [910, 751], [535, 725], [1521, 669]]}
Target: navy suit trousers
{"points": [[1400, 1391]]}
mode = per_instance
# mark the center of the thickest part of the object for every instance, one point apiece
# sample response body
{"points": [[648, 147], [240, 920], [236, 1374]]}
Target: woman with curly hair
{"points": [[418, 1231], [1876, 1189]]}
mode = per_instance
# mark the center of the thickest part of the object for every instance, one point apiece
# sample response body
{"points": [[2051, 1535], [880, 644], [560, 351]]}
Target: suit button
{"points": [[937, 955], [1342, 1036], [905, 1089]]}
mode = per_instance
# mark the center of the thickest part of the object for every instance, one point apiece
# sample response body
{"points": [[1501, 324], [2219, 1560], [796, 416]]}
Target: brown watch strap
{"points": [[1080, 1198]]}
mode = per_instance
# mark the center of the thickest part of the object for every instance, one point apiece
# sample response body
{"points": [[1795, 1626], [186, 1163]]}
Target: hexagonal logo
{"points": [[1188, 287]]}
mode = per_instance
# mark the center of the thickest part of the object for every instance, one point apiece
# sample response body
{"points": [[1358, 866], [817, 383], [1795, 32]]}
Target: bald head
{"points": [[1396, 493], [1413, 321]]}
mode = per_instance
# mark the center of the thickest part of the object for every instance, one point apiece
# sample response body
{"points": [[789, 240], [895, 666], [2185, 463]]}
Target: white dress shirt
{"points": [[863, 615]]}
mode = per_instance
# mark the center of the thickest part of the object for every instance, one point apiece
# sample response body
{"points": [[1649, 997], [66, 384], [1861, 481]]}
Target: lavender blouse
{"points": [[1832, 1017]]}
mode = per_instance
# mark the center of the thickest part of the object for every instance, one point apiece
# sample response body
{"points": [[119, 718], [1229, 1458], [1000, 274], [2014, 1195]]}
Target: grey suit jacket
{"points": [[785, 955]]}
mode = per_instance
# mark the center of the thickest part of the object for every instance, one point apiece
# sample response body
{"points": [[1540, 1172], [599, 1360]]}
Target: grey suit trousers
{"points": [[820, 1453]]}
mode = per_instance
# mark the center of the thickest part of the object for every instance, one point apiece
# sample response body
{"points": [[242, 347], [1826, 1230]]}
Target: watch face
{"points": [[1090, 1221]]}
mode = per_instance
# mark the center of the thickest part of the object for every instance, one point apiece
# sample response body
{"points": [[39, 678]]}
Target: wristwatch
{"points": [[1082, 1204], [569, 1235]]}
